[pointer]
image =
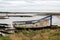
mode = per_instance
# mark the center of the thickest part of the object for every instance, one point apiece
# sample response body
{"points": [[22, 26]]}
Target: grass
{"points": [[43, 34], [4, 38]]}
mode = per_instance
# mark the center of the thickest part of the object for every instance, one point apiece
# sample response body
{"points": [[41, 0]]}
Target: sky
{"points": [[29, 6]]}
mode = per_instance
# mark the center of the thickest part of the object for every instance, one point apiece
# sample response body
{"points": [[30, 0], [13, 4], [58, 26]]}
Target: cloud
{"points": [[48, 6]]}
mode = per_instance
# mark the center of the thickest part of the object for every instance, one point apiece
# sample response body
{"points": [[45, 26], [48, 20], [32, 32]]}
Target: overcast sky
{"points": [[29, 5]]}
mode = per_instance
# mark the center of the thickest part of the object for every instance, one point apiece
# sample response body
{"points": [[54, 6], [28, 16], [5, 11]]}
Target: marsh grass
{"points": [[4, 38], [43, 34]]}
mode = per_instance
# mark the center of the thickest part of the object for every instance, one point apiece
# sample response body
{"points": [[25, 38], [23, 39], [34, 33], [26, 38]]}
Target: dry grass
{"points": [[44, 34]]}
